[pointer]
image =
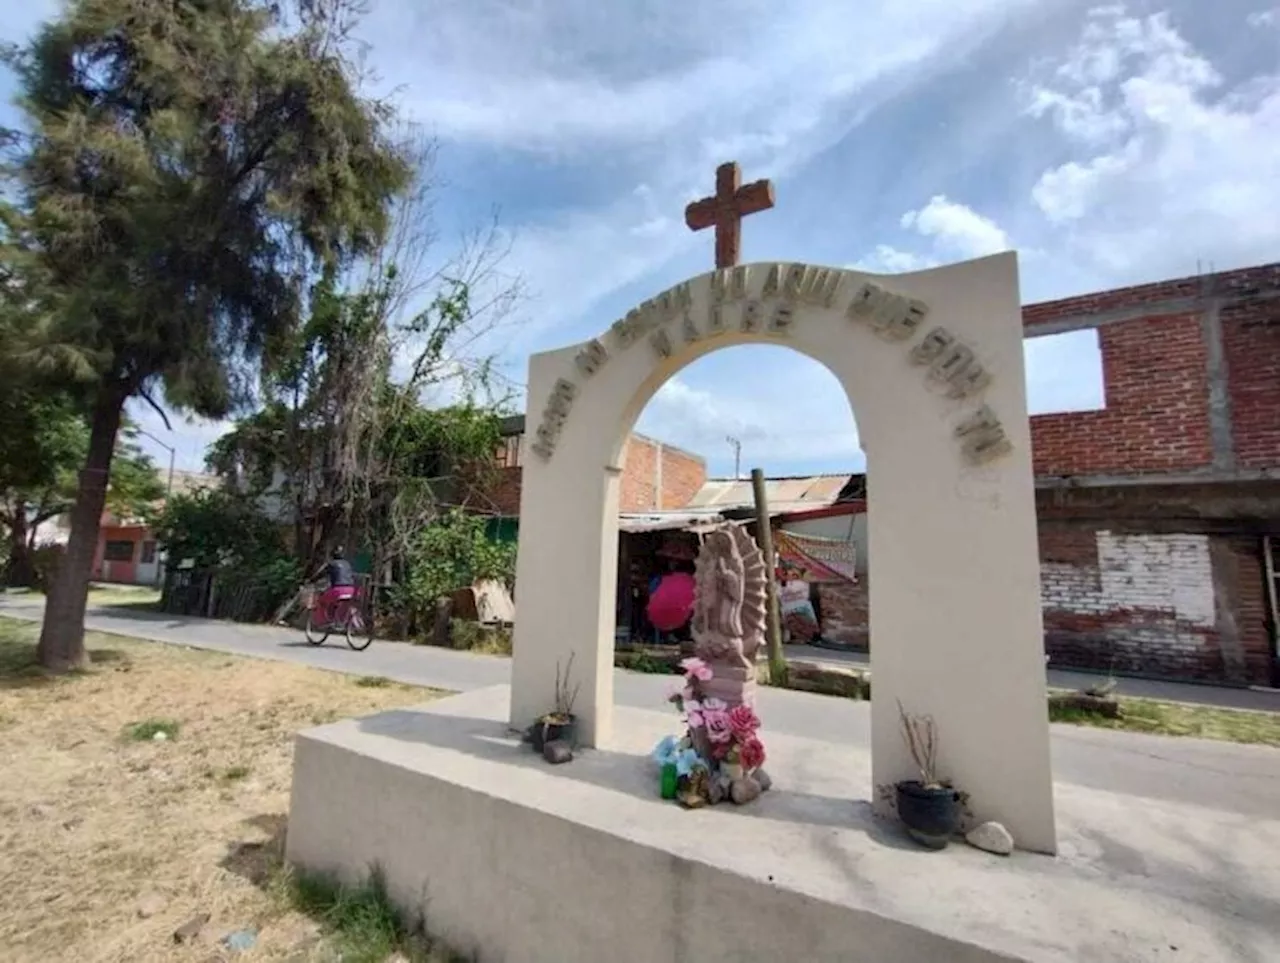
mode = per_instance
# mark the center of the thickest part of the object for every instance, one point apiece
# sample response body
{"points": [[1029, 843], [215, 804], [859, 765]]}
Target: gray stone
{"points": [[716, 791], [991, 837], [189, 930], [240, 941], [744, 790], [557, 751], [762, 777]]}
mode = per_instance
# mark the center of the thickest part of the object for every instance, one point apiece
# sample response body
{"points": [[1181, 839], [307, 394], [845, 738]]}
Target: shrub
{"points": [[45, 560], [452, 553]]}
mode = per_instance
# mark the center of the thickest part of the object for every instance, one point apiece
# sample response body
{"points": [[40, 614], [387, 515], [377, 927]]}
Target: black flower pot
{"points": [[930, 813], [544, 731]]}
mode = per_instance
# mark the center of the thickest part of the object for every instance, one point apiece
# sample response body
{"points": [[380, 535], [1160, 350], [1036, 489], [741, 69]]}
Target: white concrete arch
{"points": [[932, 365]]}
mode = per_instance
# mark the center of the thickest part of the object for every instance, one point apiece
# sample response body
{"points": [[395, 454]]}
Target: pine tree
{"points": [[192, 165]]}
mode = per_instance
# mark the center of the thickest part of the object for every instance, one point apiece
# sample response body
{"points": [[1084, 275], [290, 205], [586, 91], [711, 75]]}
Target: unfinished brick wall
{"points": [[682, 475], [649, 464], [1157, 414], [1164, 604], [1186, 606], [1161, 345], [1251, 342], [843, 609]]}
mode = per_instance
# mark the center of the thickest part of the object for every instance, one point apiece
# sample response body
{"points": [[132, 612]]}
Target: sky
{"points": [[1108, 144]]}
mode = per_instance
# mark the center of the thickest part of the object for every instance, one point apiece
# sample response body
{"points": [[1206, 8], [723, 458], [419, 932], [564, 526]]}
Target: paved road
{"points": [[1258, 698], [1244, 779]]}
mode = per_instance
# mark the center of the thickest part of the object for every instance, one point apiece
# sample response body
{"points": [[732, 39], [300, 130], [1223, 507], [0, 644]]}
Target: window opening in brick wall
{"points": [[1064, 372], [148, 552]]}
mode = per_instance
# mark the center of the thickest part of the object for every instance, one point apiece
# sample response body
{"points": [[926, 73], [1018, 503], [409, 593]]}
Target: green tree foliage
{"points": [[225, 533], [43, 443], [354, 454], [450, 554], [189, 166], [212, 528]]}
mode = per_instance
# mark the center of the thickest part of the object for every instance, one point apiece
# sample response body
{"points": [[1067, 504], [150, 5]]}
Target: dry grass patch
{"points": [[1178, 719], [152, 789]]}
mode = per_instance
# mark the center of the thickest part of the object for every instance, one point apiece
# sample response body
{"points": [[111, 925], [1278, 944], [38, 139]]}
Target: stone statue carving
{"points": [[729, 612]]}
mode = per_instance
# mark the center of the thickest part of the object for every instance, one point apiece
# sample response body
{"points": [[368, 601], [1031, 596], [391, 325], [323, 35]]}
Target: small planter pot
{"points": [[544, 731], [931, 814]]}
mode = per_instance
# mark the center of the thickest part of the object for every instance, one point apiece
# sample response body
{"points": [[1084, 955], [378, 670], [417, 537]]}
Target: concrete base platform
{"points": [[522, 862]]}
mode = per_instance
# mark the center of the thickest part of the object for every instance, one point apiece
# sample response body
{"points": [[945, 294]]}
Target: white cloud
{"points": [[657, 101], [1172, 164], [1264, 18], [948, 231], [740, 74], [957, 229], [887, 259]]}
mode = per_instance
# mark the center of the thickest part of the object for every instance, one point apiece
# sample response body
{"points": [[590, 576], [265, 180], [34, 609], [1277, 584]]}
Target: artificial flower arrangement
{"points": [[721, 746]]}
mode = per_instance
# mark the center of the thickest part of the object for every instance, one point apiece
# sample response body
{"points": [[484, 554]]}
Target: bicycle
{"points": [[342, 614]]}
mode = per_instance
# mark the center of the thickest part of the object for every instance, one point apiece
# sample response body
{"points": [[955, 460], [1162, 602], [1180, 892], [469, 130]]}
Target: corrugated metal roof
{"points": [[784, 494]]}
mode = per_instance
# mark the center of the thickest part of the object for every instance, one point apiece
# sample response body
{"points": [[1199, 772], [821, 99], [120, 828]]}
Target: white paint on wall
{"points": [[1164, 573]]}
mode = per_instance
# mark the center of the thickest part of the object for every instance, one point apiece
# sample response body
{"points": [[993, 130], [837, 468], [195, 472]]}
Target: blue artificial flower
{"points": [[687, 761], [665, 752]]}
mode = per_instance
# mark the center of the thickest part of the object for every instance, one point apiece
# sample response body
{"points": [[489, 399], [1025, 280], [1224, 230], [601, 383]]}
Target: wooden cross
{"points": [[726, 210]]}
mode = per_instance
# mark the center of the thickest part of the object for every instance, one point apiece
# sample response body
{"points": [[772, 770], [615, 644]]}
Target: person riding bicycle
{"points": [[342, 579]]}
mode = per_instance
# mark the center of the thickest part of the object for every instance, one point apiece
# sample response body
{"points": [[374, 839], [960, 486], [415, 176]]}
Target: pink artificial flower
{"points": [[751, 753], [693, 713], [716, 722], [743, 721], [695, 668]]}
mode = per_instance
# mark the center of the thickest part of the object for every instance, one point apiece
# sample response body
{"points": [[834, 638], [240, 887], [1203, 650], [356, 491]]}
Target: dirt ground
{"points": [[110, 839]]}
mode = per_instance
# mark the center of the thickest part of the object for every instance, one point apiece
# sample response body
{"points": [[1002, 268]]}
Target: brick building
{"points": [[655, 476], [1156, 512]]}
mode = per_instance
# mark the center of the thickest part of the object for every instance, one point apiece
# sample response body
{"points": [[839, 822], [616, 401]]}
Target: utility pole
{"points": [[736, 445], [168, 488], [168, 492], [777, 662]]}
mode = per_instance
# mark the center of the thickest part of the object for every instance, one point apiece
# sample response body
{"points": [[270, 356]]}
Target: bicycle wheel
{"points": [[358, 628], [316, 634]]}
